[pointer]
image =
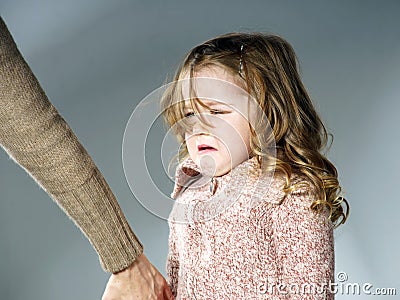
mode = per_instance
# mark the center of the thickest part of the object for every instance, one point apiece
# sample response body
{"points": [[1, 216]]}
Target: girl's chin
{"points": [[210, 167], [214, 163]]}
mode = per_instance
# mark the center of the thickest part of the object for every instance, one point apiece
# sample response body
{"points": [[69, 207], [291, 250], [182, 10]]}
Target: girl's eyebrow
{"points": [[208, 103]]}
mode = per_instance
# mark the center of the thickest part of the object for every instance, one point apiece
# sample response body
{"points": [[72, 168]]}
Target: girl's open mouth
{"points": [[203, 148]]}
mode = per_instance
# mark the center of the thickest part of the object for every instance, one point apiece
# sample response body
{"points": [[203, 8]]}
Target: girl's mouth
{"points": [[203, 149]]}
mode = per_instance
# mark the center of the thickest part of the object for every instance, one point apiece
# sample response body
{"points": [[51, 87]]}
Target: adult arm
{"points": [[35, 135]]}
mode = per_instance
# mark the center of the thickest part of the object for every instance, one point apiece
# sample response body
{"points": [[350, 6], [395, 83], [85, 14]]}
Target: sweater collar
{"points": [[246, 174], [188, 173]]}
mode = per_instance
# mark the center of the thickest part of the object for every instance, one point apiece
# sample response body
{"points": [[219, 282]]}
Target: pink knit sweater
{"points": [[239, 237]]}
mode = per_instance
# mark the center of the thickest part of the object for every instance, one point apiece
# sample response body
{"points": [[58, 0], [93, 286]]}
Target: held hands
{"points": [[141, 280]]}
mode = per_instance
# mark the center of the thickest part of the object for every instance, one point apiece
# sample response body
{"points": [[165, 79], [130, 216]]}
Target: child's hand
{"points": [[139, 281]]}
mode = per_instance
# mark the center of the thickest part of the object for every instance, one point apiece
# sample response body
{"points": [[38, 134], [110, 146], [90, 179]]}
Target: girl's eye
{"points": [[212, 111], [189, 114], [218, 112]]}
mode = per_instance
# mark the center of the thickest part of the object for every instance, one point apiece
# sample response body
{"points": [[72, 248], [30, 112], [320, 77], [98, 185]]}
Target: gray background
{"points": [[97, 59]]}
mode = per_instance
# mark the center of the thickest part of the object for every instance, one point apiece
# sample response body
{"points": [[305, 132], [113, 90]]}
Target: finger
{"points": [[168, 294]]}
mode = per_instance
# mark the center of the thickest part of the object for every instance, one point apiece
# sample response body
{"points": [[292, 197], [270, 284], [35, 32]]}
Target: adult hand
{"points": [[141, 280]]}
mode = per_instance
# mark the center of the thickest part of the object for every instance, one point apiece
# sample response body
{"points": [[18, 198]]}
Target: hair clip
{"points": [[241, 61]]}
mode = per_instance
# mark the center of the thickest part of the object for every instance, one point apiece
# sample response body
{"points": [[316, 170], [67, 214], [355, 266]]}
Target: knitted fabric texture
{"points": [[34, 134], [261, 245]]}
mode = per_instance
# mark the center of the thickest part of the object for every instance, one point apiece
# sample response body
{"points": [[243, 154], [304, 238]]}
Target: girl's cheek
{"points": [[190, 143]]}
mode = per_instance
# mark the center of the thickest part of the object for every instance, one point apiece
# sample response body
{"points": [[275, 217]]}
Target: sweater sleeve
{"points": [[34, 134], [304, 248], [173, 261]]}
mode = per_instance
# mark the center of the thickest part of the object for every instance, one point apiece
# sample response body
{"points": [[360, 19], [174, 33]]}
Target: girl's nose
{"points": [[199, 127], [202, 124]]}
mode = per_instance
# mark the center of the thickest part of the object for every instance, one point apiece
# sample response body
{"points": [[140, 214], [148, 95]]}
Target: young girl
{"points": [[256, 201]]}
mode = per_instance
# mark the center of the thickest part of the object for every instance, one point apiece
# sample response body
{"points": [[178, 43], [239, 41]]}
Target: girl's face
{"points": [[217, 149]]}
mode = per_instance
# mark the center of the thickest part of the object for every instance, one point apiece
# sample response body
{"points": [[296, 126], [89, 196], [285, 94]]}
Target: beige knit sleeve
{"points": [[35, 135]]}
